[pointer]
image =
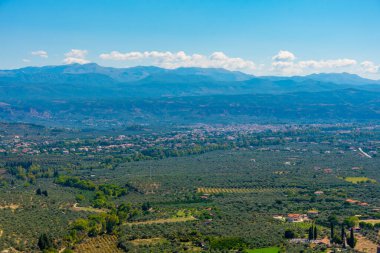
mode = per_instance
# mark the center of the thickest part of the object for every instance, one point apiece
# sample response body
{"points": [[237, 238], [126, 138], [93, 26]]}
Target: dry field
{"points": [[371, 221], [148, 241], [10, 206], [365, 245]]}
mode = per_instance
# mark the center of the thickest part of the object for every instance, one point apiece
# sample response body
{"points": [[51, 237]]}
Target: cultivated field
{"points": [[100, 244], [264, 250], [211, 190], [160, 221]]}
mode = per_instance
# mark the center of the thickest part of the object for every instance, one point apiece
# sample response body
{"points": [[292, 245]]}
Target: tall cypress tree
{"points": [[343, 234], [311, 233], [331, 231], [351, 240], [315, 232]]}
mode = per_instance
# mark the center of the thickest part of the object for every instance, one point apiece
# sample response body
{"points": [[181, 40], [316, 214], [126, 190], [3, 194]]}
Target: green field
{"points": [[264, 250], [356, 180]]}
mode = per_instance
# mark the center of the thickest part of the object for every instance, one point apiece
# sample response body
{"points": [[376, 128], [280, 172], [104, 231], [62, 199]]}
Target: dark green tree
{"points": [[351, 240], [45, 242], [111, 222], [289, 234], [334, 222], [145, 206], [311, 233], [351, 221]]}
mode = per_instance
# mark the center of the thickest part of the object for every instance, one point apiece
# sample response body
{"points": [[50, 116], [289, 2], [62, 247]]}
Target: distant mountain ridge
{"points": [[138, 73], [91, 81], [337, 78], [131, 74]]}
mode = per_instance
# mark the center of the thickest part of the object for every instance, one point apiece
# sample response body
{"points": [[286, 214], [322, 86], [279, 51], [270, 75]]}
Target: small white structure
{"points": [[295, 217]]}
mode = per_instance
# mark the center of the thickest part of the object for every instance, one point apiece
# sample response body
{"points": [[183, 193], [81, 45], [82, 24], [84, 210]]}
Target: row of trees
{"points": [[75, 182], [349, 223]]}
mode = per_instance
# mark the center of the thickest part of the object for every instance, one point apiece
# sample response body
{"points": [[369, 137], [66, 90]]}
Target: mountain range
{"points": [[94, 81], [89, 92]]}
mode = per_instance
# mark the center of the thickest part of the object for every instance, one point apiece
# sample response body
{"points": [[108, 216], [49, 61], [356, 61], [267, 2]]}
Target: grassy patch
{"points": [[264, 250], [148, 241], [160, 221], [371, 221], [356, 180], [88, 209]]}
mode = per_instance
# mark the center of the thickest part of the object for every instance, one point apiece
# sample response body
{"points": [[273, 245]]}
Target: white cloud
{"points": [[284, 55], [284, 63], [370, 67], [117, 56], [76, 56], [26, 60], [181, 59], [40, 53], [337, 63], [77, 53]]}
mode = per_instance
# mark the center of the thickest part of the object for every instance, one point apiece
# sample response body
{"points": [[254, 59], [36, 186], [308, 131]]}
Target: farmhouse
{"points": [[295, 217], [299, 240], [357, 202], [351, 201]]}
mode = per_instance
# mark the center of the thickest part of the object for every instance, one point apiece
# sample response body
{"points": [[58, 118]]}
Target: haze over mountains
{"points": [[154, 81], [73, 93]]}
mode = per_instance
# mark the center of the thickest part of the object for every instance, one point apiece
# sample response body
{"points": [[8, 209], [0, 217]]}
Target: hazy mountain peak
{"points": [[336, 78], [341, 78]]}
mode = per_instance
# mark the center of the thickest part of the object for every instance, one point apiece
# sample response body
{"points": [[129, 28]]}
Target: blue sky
{"points": [[279, 37]]}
